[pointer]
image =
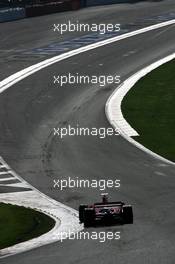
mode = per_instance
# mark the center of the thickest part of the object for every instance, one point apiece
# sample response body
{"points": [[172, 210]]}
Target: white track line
{"points": [[8, 82], [6, 179], [2, 166], [113, 107], [65, 217], [17, 185], [5, 172], [69, 213]]}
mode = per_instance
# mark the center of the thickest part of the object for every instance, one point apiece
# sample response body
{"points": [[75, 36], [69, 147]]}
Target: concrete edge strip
{"points": [[113, 107], [75, 227], [8, 82], [66, 218], [6, 179], [36, 201]]}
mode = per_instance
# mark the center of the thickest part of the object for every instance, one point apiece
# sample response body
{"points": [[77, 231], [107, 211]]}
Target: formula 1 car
{"points": [[106, 213]]}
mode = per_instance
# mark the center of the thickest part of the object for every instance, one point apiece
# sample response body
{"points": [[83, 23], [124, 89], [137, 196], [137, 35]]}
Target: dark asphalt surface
{"points": [[29, 111]]}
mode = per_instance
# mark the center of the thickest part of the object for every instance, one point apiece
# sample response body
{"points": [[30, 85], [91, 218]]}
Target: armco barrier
{"points": [[75, 4], [39, 10], [87, 3], [53, 7], [10, 14]]}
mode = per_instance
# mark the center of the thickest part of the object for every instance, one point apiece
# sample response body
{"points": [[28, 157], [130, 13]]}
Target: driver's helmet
{"points": [[104, 198]]}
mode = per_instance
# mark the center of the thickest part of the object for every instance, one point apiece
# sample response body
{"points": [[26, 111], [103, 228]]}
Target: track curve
{"points": [[31, 109]]}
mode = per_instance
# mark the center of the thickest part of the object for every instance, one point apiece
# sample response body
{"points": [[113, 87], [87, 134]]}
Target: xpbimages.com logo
{"points": [[101, 28], [76, 182], [101, 132], [102, 80], [101, 237]]}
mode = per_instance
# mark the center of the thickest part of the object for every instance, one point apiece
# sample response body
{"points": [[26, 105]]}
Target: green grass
{"points": [[18, 224], [150, 108]]}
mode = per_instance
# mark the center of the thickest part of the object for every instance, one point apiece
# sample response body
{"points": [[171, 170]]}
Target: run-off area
{"points": [[149, 108]]}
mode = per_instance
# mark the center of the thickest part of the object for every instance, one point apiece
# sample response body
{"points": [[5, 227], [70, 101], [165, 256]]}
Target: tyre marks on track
{"points": [[56, 48]]}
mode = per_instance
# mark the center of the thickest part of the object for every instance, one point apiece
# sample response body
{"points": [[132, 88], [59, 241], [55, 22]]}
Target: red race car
{"points": [[106, 213]]}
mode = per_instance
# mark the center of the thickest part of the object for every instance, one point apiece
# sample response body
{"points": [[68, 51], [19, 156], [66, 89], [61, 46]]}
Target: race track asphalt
{"points": [[33, 107]]}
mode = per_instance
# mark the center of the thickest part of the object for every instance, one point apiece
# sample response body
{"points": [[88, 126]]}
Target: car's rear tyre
{"points": [[81, 212], [127, 214], [89, 217]]}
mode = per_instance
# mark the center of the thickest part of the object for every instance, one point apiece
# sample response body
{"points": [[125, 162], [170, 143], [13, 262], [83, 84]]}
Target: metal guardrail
{"points": [[18, 9], [23, 3]]}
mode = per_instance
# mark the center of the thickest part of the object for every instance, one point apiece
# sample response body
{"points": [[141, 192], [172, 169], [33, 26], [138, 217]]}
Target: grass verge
{"points": [[149, 107], [19, 224]]}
